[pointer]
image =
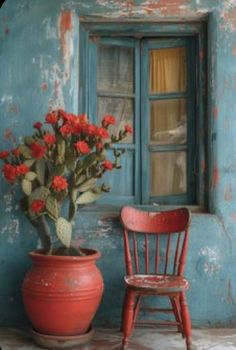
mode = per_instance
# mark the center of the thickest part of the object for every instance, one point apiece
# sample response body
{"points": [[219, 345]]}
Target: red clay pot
{"points": [[61, 294]]}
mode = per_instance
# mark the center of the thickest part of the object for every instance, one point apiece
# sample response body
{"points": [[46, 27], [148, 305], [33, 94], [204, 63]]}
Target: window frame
{"points": [[97, 28], [190, 147]]}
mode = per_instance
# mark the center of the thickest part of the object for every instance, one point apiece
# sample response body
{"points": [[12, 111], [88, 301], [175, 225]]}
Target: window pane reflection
{"points": [[115, 69], [168, 122], [168, 173], [121, 109]]}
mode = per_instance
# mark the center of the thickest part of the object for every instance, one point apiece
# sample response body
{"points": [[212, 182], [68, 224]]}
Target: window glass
{"points": [[168, 124], [115, 69], [167, 70], [122, 109], [168, 173]]}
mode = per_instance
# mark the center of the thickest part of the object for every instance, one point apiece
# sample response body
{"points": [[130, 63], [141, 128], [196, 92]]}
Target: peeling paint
{"points": [[215, 113], [161, 8], [51, 30], [203, 166], [229, 16], [233, 216], [215, 177], [211, 256], [201, 54], [8, 199], [44, 86], [234, 51], [66, 39], [57, 79], [6, 99], [228, 194], [8, 134], [12, 228]]}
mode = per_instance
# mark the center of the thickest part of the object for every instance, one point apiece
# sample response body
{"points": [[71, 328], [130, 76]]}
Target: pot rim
{"points": [[93, 254]]}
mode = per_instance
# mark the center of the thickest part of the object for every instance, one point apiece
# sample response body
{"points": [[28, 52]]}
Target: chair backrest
{"points": [[155, 242]]}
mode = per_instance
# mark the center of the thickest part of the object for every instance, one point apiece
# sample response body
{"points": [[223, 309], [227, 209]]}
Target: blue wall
{"points": [[39, 70]]}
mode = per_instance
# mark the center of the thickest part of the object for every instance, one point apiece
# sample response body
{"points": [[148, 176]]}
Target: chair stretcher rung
{"points": [[154, 309], [156, 323]]}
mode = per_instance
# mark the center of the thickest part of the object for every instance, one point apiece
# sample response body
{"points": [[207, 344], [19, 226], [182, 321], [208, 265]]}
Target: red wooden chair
{"points": [[165, 236]]}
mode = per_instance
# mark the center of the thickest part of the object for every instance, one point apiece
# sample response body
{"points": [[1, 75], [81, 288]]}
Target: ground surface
{"points": [[142, 339]]}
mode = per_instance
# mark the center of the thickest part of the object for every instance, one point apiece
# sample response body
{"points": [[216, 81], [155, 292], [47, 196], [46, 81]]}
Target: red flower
{"points": [[50, 139], [83, 118], [51, 118], [37, 206], [82, 147], [22, 169], [16, 152], [66, 130], [4, 154], [128, 128], [99, 146], [59, 183], [103, 133], [62, 114], [108, 120], [107, 165], [9, 172], [37, 150], [91, 129], [38, 125]]}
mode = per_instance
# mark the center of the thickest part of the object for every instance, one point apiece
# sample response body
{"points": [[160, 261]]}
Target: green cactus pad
{"points": [[59, 170], [29, 140], [31, 176], [26, 186], [89, 197], [39, 193], [87, 185], [40, 170], [52, 207], [25, 151], [61, 147], [70, 160], [29, 162], [64, 231]]}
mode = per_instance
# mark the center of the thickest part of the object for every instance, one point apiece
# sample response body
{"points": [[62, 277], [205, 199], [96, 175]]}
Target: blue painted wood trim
{"points": [[83, 71], [139, 28], [169, 96], [92, 107], [92, 79], [167, 148], [203, 120], [192, 154], [145, 125], [189, 197]]}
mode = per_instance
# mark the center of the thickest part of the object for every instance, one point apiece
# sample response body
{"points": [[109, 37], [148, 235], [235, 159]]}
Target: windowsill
{"points": [[115, 209]]}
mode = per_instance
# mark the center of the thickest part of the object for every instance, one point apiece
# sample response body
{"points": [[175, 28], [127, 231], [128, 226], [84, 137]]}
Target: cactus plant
{"points": [[58, 166]]}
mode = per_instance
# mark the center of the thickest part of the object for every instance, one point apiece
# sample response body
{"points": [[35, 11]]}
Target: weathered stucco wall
{"points": [[39, 70]]}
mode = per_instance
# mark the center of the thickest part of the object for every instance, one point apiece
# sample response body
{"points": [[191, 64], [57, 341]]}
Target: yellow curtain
{"points": [[167, 73], [168, 70]]}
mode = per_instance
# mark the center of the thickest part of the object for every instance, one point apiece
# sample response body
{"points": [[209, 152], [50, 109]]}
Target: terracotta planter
{"points": [[61, 294]]}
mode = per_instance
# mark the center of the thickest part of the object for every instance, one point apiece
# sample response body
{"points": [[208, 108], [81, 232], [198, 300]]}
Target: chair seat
{"points": [[157, 283]]}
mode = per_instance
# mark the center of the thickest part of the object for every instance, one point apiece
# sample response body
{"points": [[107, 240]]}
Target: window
{"points": [[152, 84]]}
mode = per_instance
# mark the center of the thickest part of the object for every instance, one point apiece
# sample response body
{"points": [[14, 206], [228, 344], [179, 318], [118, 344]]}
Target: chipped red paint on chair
{"points": [[162, 274]]}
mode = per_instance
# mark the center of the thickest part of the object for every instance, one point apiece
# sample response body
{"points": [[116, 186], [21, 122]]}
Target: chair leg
{"points": [[186, 320], [176, 309], [128, 316]]}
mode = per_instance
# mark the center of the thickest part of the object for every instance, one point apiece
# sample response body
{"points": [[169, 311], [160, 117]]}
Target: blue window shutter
{"points": [[124, 182], [190, 147]]}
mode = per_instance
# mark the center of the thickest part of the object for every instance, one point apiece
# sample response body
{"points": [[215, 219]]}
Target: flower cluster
{"points": [[61, 164]]}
